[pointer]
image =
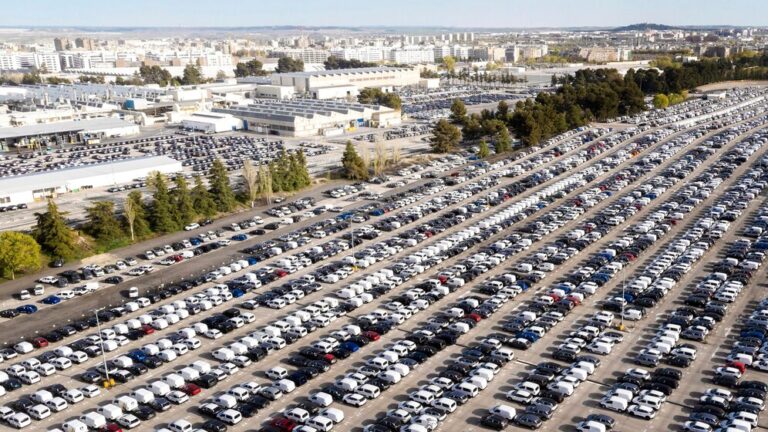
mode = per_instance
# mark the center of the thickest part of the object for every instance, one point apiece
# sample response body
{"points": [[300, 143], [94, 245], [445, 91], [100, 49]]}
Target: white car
{"points": [[354, 399], [520, 396], [192, 226], [48, 280], [177, 397], [642, 411]]}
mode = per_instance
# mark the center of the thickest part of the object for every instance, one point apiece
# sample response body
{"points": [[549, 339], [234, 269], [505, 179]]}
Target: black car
{"points": [[214, 426], [114, 279], [90, 377], [144, 413], [160, 404], [9, 313], [529, 421], [607, 420], [259, 402], [763, 387], [726, 381], [11, 384], [494, 422]]}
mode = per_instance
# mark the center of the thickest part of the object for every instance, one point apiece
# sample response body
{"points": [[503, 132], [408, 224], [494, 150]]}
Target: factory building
{"points": [[29, 188], [307, 117], [212, 122], [88, 131], [388, 77]]}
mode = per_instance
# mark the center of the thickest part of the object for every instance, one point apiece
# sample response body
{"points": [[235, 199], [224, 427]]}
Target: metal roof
{"points": [[63, 127], [57, 178], [356, 71]]}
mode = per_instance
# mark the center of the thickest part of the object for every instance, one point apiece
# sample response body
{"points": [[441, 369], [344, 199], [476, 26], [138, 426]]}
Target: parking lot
{"points": [[528, 287]]}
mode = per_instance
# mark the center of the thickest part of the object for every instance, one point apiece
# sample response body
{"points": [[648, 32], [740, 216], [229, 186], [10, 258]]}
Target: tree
{"points": [[250, 68], [53, 234], [135, 214], [265, 184], [503, 142], [221, 190], [162, 211], [102, 223], [202, 200], [449, 62], [303, 171], [502, 111], [484, 151], [458, 112], [660, 100], [380, 156], [354, 166], [396, 153], [18, 252], [192, 75], [184, 209], [426, 73], [374, 96], [155, 75], [446, 137], [31, 78], [334, 62], [250, 181], [287, 64]]}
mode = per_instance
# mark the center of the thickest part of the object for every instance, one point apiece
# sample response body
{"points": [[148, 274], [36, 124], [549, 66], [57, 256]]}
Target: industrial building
{"points": [[66, 132], [308, 117], [381, 77], [39, 186], [212, 122]]}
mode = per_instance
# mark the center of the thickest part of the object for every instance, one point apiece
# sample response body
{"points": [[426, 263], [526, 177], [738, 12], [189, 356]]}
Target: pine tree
{"points": [[458, 112], [53, 234], [446, 137], [182, 202], [221, 190], [162, 214], [354, 166], [202, 200], [304, 178], [484, 151], [503, 141], [102, 223], [293, 172]]}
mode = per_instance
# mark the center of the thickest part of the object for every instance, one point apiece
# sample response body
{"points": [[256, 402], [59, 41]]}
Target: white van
{"points": [[320, 423], [369, 391], [591, 426], [143, 396], [504, 411], [180, 426], [110, 411], [93, 420], [445, 405], [229, 416], [615, 403]]}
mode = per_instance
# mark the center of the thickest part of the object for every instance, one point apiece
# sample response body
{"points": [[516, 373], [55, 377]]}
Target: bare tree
{"points": [[380, 157], [265, 184], [130, 215], [397, 154], [365, 154], [251, 177]]}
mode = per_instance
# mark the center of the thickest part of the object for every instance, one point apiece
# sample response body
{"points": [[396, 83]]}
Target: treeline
{"points": [[334, 62], [172, 205], [375, 96]]}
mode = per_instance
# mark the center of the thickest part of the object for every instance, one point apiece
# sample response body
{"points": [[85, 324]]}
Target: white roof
{"points": [[63, 127], [54, 179]]}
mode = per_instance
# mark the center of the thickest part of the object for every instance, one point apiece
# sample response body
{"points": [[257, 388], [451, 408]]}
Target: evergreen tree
{"points": [[141, 226], [53, 234], [458, 112], [304, 178], [484, 151], [102, 223], [184, 209], [502, 111], [503, 142], [220, 189], [162, 211], [202, 200], [354, 167], [446, 137]]}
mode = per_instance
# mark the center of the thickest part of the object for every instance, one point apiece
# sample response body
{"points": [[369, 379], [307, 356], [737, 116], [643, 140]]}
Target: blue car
{"points": [[239, 237], [195, 241], [252, 260], [350, 346], [137, 355], [237, 293], [51, 300], [27, 309]]}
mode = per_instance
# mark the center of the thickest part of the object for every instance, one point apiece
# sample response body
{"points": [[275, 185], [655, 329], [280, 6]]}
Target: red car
{"points": [[372, 335], [111, 427], [280, 272], [191, 389], [283, 424], [329, 358], [40, 342], [147, 329], [475, 317]]}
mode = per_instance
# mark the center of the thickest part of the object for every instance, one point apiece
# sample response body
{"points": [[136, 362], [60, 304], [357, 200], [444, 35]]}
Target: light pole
{"points": [[107, 382]]}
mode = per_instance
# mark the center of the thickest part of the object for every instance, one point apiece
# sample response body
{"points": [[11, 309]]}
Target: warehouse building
{"points": [[381, 77], [25, 189], [308, 117], [66, 132], [211, 122]]}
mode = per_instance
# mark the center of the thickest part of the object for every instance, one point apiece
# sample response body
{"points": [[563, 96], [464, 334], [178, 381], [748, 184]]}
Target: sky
{"points": [[420, 13]]}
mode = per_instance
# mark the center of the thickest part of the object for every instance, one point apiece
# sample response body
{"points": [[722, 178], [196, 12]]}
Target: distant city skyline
{"points": [[395, 13]]}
